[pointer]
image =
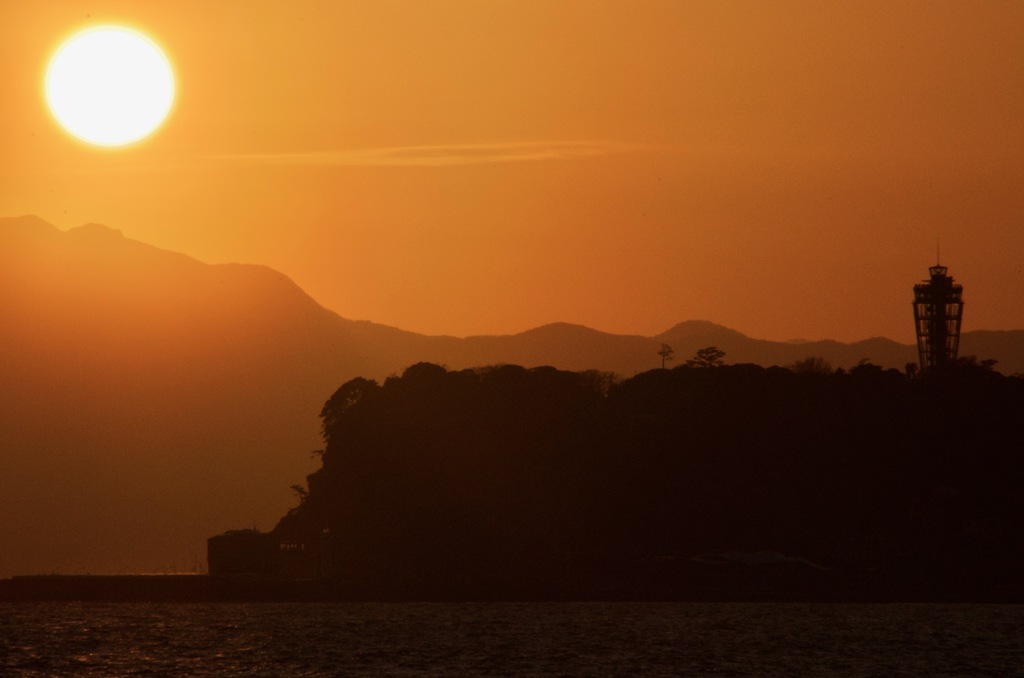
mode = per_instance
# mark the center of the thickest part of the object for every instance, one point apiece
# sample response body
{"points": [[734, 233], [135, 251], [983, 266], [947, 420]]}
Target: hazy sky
{"points": [[486, 166]]}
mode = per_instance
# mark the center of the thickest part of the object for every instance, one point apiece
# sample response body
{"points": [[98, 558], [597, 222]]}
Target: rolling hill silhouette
{"points": [[149, 400]]}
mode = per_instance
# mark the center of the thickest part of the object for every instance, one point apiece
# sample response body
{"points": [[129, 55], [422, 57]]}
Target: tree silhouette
{"points": [[303, 494], [666, 353], [350, 394], [812, 365], [710, 356]]}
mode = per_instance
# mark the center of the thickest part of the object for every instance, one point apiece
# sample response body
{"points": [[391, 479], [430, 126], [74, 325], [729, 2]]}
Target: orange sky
{"points": [[469, 167]]}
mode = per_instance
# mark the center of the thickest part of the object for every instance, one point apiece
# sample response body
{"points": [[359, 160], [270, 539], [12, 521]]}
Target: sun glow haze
{"points": [[110, 86], [431, 166]]}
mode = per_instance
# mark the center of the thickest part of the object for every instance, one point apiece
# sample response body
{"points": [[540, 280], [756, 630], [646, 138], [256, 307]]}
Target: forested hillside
{"points": [[508, 481]]}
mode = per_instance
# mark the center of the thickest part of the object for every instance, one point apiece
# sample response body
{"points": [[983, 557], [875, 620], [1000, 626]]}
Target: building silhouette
{"points": [[938, 309], [268, 555]]}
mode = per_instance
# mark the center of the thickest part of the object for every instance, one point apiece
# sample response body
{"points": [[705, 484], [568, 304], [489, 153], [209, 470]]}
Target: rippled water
{"points": [[529, 639]]}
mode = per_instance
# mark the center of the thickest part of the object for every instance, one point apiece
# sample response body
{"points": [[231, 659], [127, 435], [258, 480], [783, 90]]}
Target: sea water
{"points": [[510, 639]]}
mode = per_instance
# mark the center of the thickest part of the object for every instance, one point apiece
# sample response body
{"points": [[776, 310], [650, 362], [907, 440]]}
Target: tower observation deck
{"points": [[938, 309]]}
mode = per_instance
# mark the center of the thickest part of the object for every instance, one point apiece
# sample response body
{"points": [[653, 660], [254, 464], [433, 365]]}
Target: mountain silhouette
{"points": [[149, 400]]}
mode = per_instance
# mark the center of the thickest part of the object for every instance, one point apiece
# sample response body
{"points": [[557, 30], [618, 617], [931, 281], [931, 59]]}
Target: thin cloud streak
{"points": [[443, 155]]}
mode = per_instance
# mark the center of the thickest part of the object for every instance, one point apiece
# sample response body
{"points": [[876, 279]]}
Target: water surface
{"points": [[501, 639]]}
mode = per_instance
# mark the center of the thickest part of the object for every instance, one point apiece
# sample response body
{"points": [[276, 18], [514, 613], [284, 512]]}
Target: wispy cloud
{"points": [[436, 156]]}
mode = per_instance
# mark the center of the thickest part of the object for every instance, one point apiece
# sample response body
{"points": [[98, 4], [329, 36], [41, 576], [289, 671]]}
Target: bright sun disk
{"points": [[109, 86]]}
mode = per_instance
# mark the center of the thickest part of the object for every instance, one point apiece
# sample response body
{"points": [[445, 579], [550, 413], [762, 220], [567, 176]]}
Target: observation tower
{"points": [[938, 308]]}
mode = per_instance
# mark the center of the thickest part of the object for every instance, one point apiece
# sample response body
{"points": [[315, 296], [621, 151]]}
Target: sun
{"points": [[109, 86]]}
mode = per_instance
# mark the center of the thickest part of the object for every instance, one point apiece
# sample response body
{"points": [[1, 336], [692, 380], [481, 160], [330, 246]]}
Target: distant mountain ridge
{"points": [[149, 400]]}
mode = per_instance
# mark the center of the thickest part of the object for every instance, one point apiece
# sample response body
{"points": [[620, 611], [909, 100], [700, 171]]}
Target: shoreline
{"points": [[716, 588]]}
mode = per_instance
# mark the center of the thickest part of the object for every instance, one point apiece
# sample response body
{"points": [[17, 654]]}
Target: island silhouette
{"points": [[707, 479], [152, 401]]}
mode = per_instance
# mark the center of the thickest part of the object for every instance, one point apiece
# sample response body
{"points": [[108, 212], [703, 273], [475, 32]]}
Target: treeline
{"points": [[513, 479]]}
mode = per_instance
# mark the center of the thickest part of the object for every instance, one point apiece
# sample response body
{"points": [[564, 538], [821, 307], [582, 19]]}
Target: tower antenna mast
{"points": [[938, 310]]}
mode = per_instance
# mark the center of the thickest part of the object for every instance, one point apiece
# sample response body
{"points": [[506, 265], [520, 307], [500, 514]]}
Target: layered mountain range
{"points": [[148, 400]]}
